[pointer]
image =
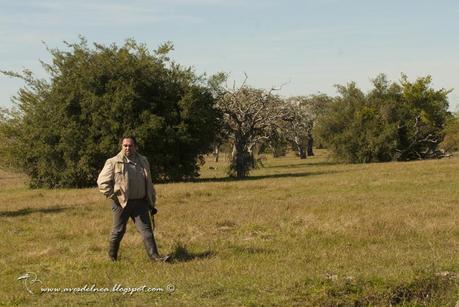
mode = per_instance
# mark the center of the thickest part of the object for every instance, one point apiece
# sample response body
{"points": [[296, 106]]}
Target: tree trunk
{"points": [[251, 156], [240, 159], [309, 146], [216, 151], [301, 152], [240, 163]]}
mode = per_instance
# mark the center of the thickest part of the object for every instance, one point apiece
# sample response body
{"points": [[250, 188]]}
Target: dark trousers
{"points": [[138, 211]]}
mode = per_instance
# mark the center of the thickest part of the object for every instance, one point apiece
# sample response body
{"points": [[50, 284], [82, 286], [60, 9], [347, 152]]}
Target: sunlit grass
{"points": [[305, 232]]}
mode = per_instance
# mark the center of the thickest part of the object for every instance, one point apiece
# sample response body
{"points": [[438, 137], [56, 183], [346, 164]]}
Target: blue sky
{"points": [[310, 45]]}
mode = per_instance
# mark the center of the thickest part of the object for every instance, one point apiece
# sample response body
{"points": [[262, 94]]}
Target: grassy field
{"points": [[297, 232]]}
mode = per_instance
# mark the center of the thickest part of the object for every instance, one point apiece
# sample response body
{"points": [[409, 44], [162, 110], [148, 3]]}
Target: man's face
{"points": [[128, 147]]}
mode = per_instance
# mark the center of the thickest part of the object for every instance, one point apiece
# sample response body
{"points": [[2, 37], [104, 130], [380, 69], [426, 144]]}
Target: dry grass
{"points": [[298, 232]]}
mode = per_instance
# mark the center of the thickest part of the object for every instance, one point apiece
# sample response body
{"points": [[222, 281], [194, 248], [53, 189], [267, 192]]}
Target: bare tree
{"points": [[249, 115], [297, 125]]}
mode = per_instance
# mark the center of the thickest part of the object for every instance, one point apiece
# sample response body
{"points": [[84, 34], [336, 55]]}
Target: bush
{"points": [[65, 128], [392, 122], [450, 142]]}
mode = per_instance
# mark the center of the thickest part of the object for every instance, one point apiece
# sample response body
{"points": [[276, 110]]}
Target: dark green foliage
{"points": [[450, 142], [392, 122], [66, 127]]}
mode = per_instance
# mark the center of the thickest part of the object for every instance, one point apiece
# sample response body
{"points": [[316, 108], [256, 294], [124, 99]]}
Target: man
{"points": [[126, 180]]}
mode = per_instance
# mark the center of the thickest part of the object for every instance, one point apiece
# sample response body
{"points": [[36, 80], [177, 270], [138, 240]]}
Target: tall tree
{"points": [[65, 127], [300, 121], [249, 116], [218, 90], [394, 121], [450, 143], [297, 124], [422, 119], [315, 105]]}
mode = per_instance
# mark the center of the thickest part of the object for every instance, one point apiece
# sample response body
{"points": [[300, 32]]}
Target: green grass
{"points": [[297, 232]]}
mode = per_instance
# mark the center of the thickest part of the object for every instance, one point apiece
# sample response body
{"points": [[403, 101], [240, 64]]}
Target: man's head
{"points": [[128, 145]]}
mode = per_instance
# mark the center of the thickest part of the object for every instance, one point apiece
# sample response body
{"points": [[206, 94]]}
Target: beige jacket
{"points": [[113, 180]]}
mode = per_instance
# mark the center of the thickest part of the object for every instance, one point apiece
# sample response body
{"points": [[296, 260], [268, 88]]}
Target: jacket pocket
{"points": [[118, 178]]}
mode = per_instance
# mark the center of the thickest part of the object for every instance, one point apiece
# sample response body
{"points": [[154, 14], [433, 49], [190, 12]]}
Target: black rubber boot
{"points": [[152, 250], [113, 250]]}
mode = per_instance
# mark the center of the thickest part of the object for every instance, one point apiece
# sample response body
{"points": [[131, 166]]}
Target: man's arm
{"points": [[105, 181]]}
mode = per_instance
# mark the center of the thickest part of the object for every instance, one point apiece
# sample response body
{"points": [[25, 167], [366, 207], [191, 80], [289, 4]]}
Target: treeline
{"points": [[62, 129]]}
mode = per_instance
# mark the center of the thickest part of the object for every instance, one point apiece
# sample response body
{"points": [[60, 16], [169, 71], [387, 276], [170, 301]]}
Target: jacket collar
{"points": [[121, 158]]}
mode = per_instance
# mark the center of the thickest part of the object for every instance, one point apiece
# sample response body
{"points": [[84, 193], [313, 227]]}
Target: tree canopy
{"points": [[249, 116], [450, 142], [64, 128], [394, 121]]}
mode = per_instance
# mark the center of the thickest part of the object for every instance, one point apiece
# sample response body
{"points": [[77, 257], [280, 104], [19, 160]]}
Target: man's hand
{"points": [[115, 200]]}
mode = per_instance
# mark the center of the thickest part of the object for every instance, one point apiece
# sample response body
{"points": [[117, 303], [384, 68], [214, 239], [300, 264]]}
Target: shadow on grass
{"points": [[282, 175], [182, 254], [307, 163], [27, 211], [327, 163], [289, 166]]}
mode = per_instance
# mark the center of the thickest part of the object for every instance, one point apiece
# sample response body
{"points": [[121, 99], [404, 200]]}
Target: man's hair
{"points": [[128, 136]]}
